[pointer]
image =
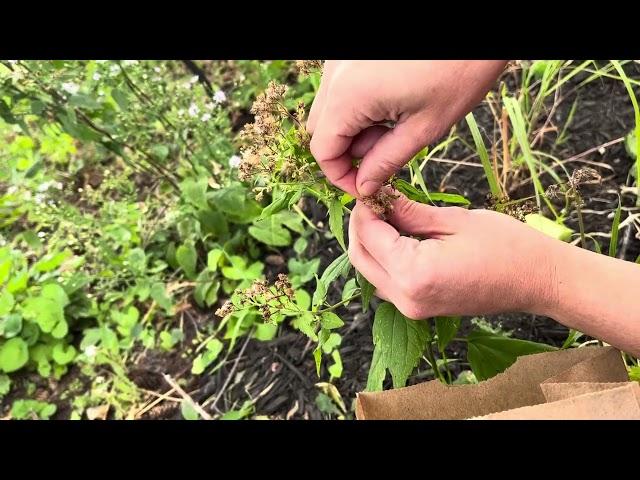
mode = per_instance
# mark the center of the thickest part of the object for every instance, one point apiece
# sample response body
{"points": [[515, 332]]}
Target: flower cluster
{"points": [[271, 152], [267, 299], [307, 67]]}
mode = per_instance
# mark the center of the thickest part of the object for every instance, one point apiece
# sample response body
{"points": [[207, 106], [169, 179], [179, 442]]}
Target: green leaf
{"points": [[187, 411], [377, 372], [236, 203], [265, 332], [14, 354], [615, 227], [367, 289], [548, 227], [335, 370], [18, 282], [412, 193], [195, 192], [159, 295], [330, 320], [203, 360], [336, 221], [317, 356], [121, 98], [63, 354], [52, 261], [213, 259], [187, 258], [490, 354], [331, 343], [5, 385], [446, 329], [270, 232], [11, 325], [340, 266], [279, 201], [349, 289], [401, 342], [6, 303], [47, 309], [306, 324], [300, 245], [83, 101]]}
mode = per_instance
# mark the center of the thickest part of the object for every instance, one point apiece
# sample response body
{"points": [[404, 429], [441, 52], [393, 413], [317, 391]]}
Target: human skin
{"points": [[472, 262], [423, 98]]}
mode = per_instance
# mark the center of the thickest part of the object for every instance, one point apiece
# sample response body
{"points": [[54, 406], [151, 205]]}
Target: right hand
{"points": [[423, 98]]}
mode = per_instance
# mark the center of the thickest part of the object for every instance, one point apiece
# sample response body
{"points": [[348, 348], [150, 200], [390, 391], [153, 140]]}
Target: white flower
{"points": [[193, 110], [114, 69], [193, 79], [12, 189], [91, 351], [71, 87], [219, 97], [129, 63], [181, 112], [43, 187], [234, 161], [206, 117], [41, 234], [58, 185], [156, 69], [39, 198], [13, 62], [96, 76]]}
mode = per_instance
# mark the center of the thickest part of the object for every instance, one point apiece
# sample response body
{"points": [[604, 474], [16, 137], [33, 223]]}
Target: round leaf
{"points": [[14, 354]]}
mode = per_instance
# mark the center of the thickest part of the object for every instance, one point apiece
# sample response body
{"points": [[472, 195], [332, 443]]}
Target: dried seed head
{"points": [[306, 67], [583, 176], [553, 192], [381, 202], [225, 309]]}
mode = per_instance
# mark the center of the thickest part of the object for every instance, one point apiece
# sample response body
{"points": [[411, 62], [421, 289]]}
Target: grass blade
{"points": [[613, 245], [484, 156]]}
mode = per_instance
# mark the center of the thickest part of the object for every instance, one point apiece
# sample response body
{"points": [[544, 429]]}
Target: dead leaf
{"points": [[98, 413]]}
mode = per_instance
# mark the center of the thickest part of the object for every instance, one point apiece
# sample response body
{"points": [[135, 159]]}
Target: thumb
{"points": [[389, 154]]}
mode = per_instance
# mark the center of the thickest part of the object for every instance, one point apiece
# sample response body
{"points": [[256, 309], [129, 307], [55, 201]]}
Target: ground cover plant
{"points": [[170, 248]]}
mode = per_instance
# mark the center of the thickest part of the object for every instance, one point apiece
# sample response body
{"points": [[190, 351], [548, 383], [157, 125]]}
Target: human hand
{"points": [[470, 262], [423, 98]]}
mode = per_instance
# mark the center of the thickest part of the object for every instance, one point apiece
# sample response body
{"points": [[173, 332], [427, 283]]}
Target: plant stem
{"points": [[339, 304], [583, 240], [432, 360]]}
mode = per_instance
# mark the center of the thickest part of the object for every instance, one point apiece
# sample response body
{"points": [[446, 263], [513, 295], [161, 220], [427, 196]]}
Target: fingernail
{"points": [[368, 188]]}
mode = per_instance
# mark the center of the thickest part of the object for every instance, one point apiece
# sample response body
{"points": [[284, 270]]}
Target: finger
{"points": [[415, 218], [336, 127], [366, 139], [318, 102], [364, 262], [380, 239], [389, 154]]}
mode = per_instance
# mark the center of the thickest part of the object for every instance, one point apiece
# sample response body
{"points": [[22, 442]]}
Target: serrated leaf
{"points": [[446, 329], [490, 354], [401, 342], [270, 232], [336, 221]]}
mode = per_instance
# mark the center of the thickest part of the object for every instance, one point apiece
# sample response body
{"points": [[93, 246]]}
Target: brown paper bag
{"points": [[580, 383]]}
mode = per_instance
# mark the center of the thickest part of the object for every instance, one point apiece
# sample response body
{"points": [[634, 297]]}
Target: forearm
{"points": [[597, 295]]}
